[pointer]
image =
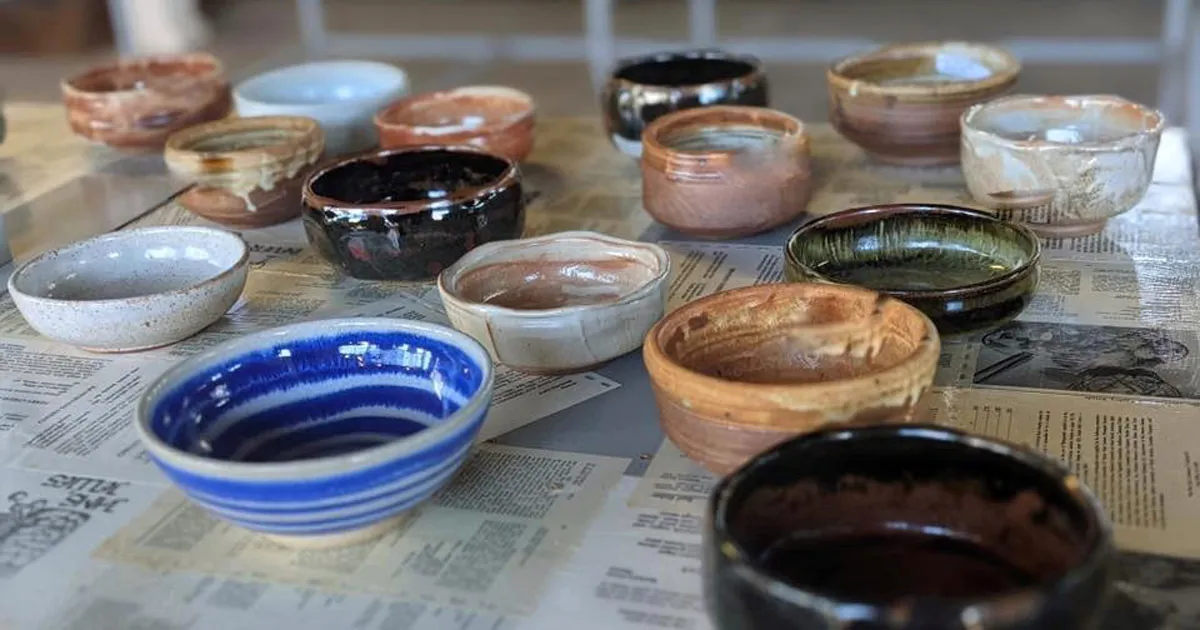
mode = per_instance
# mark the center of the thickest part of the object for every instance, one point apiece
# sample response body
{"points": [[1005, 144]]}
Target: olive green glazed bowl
{"points": [[966, 269]]}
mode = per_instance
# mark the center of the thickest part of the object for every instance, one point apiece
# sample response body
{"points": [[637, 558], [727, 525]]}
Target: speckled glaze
{"points": [[494, 118], [1015, 503], [247, 171], [966, 269], [739, 371], [407, 214], [726, 171], [641, 89], [1063, 165], [560, 303], [902, 103], [136, 103], [133, 289]]}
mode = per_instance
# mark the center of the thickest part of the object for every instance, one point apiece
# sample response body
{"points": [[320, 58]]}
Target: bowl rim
{"points": [[881, 212], [306, 135], [836, 72], [319, 467], [179, 232], [447, 279], [968, 123], [215, 71], [709, 163], [757, 68], [745, 567], [399, 81], [501, 91]]}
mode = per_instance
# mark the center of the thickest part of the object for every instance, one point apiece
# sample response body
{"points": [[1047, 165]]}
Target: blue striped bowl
{"points": [[322, 433]]}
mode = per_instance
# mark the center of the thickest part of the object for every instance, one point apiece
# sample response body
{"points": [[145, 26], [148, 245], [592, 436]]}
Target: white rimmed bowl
{"points": [[323, 433], [560, 303], [133, 289]]}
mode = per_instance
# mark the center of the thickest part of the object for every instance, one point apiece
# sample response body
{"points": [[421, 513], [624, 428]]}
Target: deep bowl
{"points": [[494, 118], [902, 103], [966, 269], [560, 303], [1063, 165], [641, 89], [322, 433], [905, 527], [739, 371], [407, 214]]}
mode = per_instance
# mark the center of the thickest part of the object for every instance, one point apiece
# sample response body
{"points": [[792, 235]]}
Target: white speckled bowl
{"points": [[559, 303], [132, 290]]}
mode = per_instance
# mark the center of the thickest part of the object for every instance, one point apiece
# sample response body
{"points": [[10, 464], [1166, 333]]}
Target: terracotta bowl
{"points": [[902, 103], [137, 103], [1063, 165], [494, 118], [556, 304], [407, 214], [739, 371], [247, 171], [726, 171]]}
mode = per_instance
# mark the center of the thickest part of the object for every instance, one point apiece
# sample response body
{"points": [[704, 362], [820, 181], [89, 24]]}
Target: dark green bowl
{"points": [[966, 269]]}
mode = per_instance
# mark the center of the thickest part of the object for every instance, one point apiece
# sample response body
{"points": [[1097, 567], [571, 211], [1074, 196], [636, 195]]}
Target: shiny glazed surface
{"points": [[496, 119]]}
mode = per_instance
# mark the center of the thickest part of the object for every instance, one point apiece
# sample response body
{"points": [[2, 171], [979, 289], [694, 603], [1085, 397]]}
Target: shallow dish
{"points": [[905, 527], [247, 171], [133, 289], [342, 96], [561, 303], [135, 103], [640, 89], [1063, 165], [494, 118], [739, 371], [322, 433], [902, 103], [726, 171], [966, 269], [407, 214]]}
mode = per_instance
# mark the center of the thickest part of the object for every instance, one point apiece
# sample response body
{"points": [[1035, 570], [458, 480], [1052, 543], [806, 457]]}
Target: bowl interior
{"points": [[323, 83], [314, 396], [160, 74], [915, 250], [712, 132], [462, 109], [131, 264], [397, 177], [245, 138], [924, 65], [1064, 120], [683, 70]]}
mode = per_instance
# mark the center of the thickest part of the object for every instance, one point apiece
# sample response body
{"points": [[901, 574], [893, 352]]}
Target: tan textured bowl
{"points": [[739, 371]]}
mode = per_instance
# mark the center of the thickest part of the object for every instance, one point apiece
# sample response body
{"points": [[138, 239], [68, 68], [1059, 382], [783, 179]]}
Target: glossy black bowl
{"points": [[901, 527], [407, 214], [641, 89], [966, 269]]}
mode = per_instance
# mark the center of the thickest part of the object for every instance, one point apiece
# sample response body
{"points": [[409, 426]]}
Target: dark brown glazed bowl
{"points": [[137, 103], [902, 103], [726, 171], [407, 214], [905, 527], [494, 118]]}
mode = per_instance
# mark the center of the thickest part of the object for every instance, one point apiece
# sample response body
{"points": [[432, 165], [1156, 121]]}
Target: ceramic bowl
{"points": [[136, 103], [902, 103], [726, 171], [133, 289], [342, 96], [247, 171], [494, 118], [323, 433], [561, 303], [1063, 165], [641, 89], [965, 269], [905, 528], [407, 214], [739, 371]]}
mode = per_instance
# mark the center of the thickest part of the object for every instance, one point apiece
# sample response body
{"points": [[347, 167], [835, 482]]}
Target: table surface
{"points": [[577, 509]]}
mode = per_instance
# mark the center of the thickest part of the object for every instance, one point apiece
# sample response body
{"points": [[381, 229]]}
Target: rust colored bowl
{"points": [[902, 103], [137, 103], [248, 171], [494, 118], [725, 171], [737, 372]]}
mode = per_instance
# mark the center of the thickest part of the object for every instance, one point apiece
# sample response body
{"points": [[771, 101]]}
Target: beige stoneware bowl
{"points": [[560, 303]]}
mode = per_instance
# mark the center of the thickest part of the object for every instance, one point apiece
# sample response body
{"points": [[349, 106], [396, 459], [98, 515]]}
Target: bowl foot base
{"points": [[340, 539], [1071, 230], [918, 161]]}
